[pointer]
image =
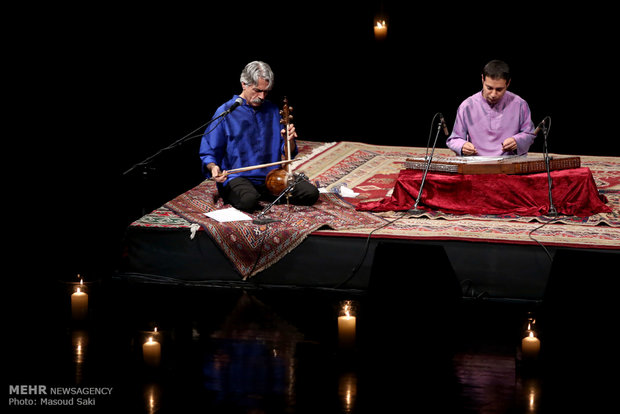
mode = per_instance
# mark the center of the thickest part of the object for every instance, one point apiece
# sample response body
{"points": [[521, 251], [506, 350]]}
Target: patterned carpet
{"points": [[371, 171]]}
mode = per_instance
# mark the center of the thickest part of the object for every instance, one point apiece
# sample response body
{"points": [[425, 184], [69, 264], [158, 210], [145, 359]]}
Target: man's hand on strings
{"points": [[469, 149], [292, 134], [509, 144]]}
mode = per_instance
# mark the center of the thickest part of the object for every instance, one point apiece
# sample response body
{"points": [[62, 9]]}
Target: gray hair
{"points": [[256, 70]]}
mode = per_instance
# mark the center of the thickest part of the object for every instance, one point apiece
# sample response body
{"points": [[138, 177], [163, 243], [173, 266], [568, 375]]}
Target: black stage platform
{"points": [[483, 270]]}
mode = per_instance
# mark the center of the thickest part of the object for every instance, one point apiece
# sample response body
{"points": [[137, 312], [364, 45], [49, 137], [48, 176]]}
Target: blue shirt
{"points": [[247, 136]]}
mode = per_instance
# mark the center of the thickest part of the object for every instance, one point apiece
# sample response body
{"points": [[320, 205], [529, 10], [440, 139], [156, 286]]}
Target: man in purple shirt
{"points": [[494, 121]]}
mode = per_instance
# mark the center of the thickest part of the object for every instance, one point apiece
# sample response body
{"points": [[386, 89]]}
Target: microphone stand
{"points": [[415, 210], [260, 218], [552, 210], [178, 142]]}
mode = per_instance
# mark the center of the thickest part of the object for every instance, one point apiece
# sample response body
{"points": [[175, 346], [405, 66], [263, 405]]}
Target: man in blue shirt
{"points": [[250, 135]]}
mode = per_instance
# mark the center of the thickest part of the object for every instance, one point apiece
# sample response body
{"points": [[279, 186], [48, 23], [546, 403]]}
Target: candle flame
{"points": [[531, 334], [346, 308], [78, 290], [381, 24], [150, 339]]}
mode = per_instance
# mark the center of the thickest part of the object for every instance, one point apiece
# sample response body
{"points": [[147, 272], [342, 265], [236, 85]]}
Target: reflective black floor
{"points": [[278, 351]]}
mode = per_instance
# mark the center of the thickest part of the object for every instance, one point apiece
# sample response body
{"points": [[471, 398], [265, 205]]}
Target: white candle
{"points": [[381, 30], [346, 331], [151, 351], [530, 346], [79, 304]]}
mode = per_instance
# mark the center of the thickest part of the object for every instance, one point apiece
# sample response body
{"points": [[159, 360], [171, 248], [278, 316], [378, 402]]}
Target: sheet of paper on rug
{"points": [[347, 192], [227, 214], [343, 191]]}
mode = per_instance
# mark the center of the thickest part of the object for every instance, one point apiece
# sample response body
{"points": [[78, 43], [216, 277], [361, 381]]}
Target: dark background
{"points": [[100, 89]]}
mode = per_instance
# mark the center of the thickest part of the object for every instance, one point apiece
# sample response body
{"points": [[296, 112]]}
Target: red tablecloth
{"points": [[574, 193]]}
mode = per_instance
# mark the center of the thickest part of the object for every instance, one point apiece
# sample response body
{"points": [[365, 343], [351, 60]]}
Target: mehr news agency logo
{"points": [[42, 395]]}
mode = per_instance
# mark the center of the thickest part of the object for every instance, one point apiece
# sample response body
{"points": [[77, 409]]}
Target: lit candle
{"points": [[530, 346], [346, 328], [380, 30], [151, 351], [79, 304]]}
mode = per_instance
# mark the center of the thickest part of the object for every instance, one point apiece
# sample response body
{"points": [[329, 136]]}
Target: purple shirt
{"points": [[488, 126]]}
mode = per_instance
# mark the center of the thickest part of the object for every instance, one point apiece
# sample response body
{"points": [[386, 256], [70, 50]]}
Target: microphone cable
{"points": [[357, 267]]}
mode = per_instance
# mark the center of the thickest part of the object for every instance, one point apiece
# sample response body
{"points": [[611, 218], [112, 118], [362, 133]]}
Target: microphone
{"points": [[443, 124], [234, 106], [540, 126]]}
